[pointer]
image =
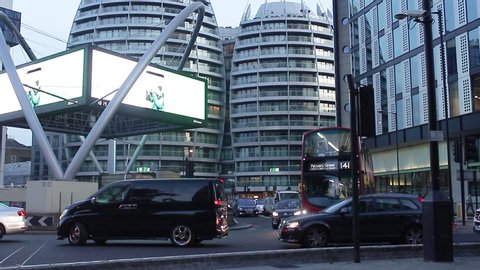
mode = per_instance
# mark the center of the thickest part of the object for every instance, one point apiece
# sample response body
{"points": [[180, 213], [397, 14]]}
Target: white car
{"points": [[476, 221], [12, 220]]}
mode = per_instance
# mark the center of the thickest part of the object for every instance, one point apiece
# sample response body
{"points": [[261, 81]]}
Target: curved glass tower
{"points": [[282, 85], [129, 27]]}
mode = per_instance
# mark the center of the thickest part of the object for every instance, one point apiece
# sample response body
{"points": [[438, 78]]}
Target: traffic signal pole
{"points": [[355, 165]]}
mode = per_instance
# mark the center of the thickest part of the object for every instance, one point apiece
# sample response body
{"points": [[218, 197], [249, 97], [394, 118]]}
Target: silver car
{"points": [[12, 220], [476, 221]]}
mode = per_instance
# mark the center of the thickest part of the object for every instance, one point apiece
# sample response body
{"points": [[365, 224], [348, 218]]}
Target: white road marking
{"points": [[34, 253], [6, 258]]}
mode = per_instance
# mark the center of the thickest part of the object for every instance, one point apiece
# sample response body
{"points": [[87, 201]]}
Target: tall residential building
{"points": [[129, 27], [282, 85], [388, 55]]}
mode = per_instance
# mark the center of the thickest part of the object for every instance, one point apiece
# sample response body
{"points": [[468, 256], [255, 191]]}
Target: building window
{"points": [[473, 47], [473, 10], [416, 109], [454, 99], [381, 18], [397, 42], [415, 71], [476, 92], [451, 58]]}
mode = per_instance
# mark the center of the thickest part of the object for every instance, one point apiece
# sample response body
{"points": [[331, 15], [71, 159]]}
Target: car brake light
{"points": [[421, 199], [22, 213], [218, 202]]}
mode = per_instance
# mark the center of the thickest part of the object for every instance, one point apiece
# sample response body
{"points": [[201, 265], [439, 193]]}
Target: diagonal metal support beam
{"points": [[116, 101], [29, 112], [184, 59]]}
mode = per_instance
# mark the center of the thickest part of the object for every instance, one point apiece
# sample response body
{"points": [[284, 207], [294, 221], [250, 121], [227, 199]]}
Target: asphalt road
{"points": [[40, 249]]}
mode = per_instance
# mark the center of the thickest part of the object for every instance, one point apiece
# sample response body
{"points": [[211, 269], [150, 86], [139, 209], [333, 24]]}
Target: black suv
{"points": [[389, 217]]}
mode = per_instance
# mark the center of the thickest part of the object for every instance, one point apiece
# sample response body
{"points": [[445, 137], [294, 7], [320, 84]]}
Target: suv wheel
{"points": [[77, 235], [315, 237], [182, 235], [413, 235]]}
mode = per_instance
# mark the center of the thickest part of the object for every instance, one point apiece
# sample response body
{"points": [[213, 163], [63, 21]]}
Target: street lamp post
{"points": [[437, 226]]}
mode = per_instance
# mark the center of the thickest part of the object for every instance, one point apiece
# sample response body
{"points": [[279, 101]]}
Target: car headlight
{"points": [[293, 225], [300, 212], [63, 213], [275, 214], [240, 208]]}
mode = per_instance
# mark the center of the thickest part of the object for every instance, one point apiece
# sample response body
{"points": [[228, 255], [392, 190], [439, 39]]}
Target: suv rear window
{"points": [[219, 192], [410, 204]]}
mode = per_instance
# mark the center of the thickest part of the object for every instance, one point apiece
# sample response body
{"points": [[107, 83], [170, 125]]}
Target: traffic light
{"points": [[189, 168], [471, 150], [367, 111], [457, 151]]}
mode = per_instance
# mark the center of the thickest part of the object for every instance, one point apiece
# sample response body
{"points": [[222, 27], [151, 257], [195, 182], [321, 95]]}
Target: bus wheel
{"points": [[182, 235], [315, 237]]}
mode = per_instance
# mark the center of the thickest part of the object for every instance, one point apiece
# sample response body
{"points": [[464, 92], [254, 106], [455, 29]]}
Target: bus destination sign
{"points": [[323, 166]]}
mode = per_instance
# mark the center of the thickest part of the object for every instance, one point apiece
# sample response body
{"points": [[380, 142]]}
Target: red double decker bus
{"points": [[326, 173]]}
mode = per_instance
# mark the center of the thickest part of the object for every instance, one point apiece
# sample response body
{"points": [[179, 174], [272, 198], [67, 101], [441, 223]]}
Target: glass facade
{"points": [[395, 68]]}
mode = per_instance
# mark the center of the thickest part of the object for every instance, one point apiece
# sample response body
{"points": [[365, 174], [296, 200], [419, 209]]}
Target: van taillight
{"points": [[22, 213], [218, 202]]}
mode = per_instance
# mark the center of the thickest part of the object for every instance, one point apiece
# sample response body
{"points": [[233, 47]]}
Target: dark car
{"points": [[245, 207], [391, 217], [285, 209], [186, 211]]}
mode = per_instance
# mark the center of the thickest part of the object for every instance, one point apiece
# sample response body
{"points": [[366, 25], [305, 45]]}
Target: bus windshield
{"points": [[327, 143]]}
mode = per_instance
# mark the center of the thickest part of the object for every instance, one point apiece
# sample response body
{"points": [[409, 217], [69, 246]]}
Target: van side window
{"points": [[113, 194], [191, 194], [150, 193]]}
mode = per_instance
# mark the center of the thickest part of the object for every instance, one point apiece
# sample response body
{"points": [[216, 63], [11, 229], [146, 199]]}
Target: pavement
{"points": [[395, 264], [418, 262]]}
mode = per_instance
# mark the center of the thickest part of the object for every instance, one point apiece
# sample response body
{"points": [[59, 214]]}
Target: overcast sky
{"points": [[46, 25]]}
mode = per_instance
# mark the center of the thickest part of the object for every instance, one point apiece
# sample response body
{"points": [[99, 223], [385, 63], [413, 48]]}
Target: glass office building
{"points": [[388, 55]]}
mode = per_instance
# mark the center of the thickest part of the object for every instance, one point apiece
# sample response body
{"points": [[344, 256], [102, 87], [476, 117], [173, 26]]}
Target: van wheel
{"points": [[77, 235], [182, 235]]}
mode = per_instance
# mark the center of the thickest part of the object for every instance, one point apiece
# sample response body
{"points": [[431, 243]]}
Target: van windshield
{"points": [[289, 195]]}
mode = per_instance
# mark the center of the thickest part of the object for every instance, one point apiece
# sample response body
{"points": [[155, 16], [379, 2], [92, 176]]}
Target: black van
{"points": [[186, 211]]}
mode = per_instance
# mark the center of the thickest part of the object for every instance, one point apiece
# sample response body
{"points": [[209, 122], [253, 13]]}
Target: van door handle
{"points": [[127, 206]]}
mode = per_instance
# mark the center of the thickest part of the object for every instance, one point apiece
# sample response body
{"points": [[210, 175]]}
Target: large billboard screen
{"points": [[57, 81], [81, 79], [156, 89]]}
